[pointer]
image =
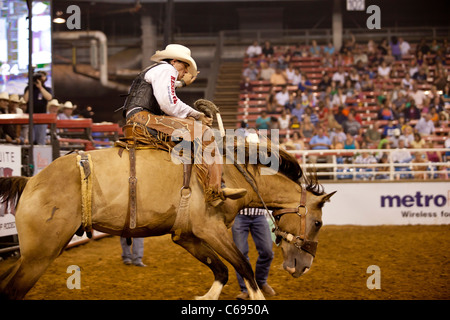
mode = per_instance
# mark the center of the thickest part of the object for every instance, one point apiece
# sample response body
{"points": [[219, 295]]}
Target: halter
{"points": [[300, 241]]}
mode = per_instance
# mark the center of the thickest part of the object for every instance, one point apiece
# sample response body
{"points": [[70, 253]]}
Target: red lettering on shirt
{"points": [[172, 89]]}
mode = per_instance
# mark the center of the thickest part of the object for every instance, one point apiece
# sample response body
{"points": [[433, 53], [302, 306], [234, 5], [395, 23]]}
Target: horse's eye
{"points": [[318, 224]]}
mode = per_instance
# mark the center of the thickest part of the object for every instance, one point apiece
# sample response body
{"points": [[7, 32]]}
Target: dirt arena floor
{"points": [[414, 262]]}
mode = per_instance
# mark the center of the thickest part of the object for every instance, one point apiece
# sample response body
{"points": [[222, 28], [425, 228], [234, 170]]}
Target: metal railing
{"points": [[339, 165]]}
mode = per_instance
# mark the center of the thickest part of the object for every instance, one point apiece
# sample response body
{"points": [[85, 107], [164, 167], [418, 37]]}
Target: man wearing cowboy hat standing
{"points": [[152, 101]]}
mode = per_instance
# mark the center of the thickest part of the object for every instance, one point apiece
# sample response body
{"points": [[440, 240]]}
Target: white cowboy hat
{"points": [[4, 96], [53, 102], [178, 52], [14, 98], [67, 105]]}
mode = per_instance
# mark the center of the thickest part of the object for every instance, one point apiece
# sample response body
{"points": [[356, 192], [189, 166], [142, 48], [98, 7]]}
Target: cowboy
{"points": [[152, 101]]}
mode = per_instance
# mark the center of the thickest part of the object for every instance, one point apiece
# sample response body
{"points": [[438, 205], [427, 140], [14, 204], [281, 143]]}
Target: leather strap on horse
{"points": [[182, 220], [132, 180], [86, 166]]}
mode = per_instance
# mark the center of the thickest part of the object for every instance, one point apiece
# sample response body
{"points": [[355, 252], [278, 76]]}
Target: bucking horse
{"points": [[64, 198]]}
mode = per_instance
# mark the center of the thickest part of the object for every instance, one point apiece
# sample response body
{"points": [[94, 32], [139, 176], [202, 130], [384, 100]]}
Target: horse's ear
{"points": [[326, 198]]}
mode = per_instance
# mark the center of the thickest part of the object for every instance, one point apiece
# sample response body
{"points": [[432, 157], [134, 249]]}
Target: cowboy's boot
{"points": [[233, 193]]}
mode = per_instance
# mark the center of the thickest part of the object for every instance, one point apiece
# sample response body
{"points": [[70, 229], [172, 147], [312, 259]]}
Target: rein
{"points": [[299, 241]]}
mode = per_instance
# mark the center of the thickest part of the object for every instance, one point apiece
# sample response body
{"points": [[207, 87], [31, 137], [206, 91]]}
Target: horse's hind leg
{"points": [[206, 255], [42, 237], [214, 233]]}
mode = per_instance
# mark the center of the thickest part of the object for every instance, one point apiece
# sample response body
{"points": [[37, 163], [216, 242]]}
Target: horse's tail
{"points": [[11, 188]]}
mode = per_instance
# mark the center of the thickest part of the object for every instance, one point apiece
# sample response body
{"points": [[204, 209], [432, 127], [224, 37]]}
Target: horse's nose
{"points": [[289, 269]]}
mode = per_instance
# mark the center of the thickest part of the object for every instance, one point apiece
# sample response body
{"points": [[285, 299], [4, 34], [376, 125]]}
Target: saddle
{"points": [[138, 136]]}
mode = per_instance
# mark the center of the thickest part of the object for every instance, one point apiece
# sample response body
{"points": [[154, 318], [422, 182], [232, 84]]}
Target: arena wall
{"points": [[389, 203]]}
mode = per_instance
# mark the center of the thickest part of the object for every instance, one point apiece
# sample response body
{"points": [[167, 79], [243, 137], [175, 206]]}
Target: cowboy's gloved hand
{"points": [[205, 120], [189, 78]]}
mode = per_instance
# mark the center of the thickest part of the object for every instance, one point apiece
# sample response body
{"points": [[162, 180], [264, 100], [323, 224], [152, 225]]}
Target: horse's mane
{"points": [[288, 164]]}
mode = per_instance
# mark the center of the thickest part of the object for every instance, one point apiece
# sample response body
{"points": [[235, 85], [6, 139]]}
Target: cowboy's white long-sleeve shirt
{"points": [[163, 78]]}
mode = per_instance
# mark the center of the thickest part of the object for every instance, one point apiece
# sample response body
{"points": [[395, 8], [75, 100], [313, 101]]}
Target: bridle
{"points": [[299, 241]]}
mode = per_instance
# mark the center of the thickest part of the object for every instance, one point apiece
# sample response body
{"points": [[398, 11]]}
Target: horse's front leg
{"points": [[215, 234], [206, 255]]}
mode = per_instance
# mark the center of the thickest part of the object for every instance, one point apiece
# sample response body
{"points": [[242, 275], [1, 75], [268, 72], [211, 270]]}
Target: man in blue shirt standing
{"points": [[319, 142]]}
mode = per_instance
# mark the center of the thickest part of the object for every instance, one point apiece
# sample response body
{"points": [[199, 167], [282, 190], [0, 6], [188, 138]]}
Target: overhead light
{"points": [[59, 20]]}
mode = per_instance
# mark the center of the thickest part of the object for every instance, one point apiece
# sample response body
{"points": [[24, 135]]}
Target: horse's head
{"points": [[298, 229]]}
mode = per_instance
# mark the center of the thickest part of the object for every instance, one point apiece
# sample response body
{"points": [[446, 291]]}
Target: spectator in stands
{"points": [[350, 142], [305, 85], [407, 82], [297, 140], [329, 49], [279, 78], [53, 106], [432, 156], [298, 111], [382, 47], [413, 66], [324, 83], [425, 126], [395, 47], [266, 71], [319, 142], [440, 79], [421, 165], [418, 141], [251, 72], [384, 159], [340, 115], [337, 137], [271, 104], [386, 113], [290, 105], [290, 72], [420, 76], [404, 47], [372, 135], [422, 47], [315, 50], [411, 111], [267, 49], [254, 50], [418, 95], [284, 59], [246, 85], [282, 97], [408, 135], [447, 146], [296, 78], [389, 129], [66, 111], [307, 128], [284, 120], [351, 125], [263, 121], [339, 76], [7, 131], [41, 95], [14, 107], [367, 83], [401, 154], [384, 70]]}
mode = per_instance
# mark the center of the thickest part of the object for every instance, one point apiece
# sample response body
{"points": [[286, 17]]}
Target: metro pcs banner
{"points": [[394, 203]]}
